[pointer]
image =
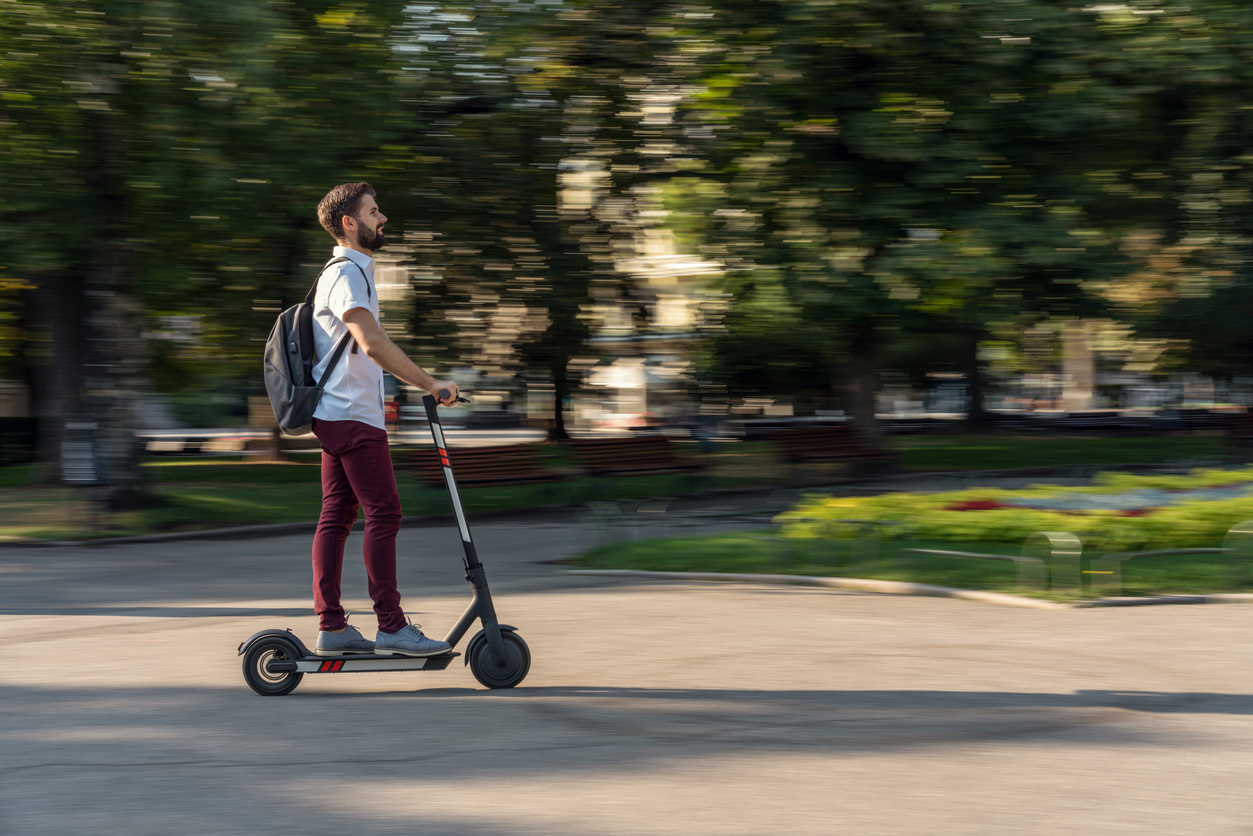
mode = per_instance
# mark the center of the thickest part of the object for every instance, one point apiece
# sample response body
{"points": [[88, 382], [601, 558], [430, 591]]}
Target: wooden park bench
{"points": [[1239, 427], [1192, 419], [643, 455], [1093, 420], [815, 445], [513, 464]]}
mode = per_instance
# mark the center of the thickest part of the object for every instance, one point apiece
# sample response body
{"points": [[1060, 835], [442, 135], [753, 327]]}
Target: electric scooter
{"points": [[276, 660]]}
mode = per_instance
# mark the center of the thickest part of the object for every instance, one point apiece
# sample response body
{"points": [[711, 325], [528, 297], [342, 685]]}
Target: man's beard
{"points": [[368, 240]]}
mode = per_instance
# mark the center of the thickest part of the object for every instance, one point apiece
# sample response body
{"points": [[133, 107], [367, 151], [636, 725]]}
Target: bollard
{"points": [[782, 499], [597, 524], [651, 517], [1061, 551], [1239, 541], [1107, 571]]}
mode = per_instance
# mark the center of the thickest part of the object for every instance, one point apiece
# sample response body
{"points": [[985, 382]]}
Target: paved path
{"points": [[650, 708]]}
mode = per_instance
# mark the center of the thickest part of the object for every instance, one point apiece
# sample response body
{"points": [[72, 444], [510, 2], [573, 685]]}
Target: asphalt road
{"points": [[651, 708]]}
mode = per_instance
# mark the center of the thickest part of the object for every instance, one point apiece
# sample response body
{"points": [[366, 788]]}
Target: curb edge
{"points": [[907, 588]]}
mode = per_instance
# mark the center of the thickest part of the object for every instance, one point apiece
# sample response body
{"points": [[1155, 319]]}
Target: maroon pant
{"points": [[356, 470]]}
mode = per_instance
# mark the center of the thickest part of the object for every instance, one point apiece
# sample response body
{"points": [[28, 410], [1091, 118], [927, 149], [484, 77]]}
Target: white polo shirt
{"points": [[354, 391]]}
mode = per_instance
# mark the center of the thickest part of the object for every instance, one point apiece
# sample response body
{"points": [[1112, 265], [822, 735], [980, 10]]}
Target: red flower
{"points": [[977, 505], [1138, 512]]}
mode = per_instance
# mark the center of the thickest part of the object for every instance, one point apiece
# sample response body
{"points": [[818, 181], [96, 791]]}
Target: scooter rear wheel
{"points": [[517, 661], [261, 653]]}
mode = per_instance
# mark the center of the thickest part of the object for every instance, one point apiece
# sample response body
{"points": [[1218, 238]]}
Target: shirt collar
{"points": [[361, 259]]}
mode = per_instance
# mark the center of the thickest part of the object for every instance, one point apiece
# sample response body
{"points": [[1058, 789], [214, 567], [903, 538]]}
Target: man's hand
{"points": [[439, 385]]}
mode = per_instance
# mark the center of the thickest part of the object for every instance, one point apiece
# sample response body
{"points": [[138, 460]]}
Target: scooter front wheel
{"points": [[517, 661], [256, 670]]}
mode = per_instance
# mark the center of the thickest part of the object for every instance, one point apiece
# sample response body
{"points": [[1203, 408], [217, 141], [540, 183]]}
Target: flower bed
{"points": [[1119, 512]]}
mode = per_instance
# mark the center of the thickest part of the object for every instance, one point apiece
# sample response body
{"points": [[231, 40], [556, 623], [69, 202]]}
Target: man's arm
{"points": [[380, 348]]}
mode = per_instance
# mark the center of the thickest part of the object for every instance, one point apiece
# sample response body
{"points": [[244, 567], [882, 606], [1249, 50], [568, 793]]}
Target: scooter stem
{"points": [[481, 603], [437, 433]]}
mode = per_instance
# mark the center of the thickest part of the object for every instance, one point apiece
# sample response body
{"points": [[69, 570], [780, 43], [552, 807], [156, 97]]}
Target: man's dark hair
{"points": [[339, 201]]}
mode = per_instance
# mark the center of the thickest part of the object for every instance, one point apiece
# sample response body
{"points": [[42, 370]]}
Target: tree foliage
{"points": [[884, 185]]}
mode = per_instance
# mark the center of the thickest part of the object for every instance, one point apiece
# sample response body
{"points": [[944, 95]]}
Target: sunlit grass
{"points": [[754, 552]]}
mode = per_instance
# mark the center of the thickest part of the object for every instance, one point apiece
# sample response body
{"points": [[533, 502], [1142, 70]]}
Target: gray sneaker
{"points": [[408, 641], [337, 644]]}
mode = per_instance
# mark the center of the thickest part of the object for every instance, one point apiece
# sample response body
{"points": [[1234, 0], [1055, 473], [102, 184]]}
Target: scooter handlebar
{"points": [[443, 395]]}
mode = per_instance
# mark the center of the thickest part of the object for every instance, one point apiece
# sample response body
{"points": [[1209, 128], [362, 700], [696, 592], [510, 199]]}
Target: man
{"points": [[356, 462]]}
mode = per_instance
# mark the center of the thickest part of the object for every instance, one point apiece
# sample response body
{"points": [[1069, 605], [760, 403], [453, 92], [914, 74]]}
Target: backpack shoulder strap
{"points": [[369, 292], [339, 352], [313, 291]]}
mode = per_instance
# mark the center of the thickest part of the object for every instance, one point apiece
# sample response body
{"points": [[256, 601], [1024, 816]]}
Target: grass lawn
{"points": [[195, 493], [994, 452], [16, 475], [763, 552]]}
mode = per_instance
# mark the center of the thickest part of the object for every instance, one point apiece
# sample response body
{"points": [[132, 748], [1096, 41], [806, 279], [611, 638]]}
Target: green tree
{"points": [[169, 159], [925, 165], [520, 101], [1191, 285]]}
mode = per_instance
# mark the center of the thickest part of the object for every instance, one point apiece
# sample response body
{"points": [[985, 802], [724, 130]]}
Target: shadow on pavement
{"points": [[141, 611], [135, 752], [215, 726], [1143, 701]]}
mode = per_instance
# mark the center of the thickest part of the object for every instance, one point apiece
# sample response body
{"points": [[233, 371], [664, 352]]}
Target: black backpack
{"points": [[289, 361]]}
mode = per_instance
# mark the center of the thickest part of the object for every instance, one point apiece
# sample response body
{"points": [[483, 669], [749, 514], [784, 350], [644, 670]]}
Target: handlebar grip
{"points": [[443, 393]]}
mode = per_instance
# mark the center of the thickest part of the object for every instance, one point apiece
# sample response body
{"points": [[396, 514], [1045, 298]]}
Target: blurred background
{"points": [[974, 233]]}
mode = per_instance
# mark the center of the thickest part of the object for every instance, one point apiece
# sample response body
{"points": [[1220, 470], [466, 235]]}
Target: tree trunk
{"points": [[124, 384], [977, 415], [570, 275], [863, 383], [114, 375], [55, 323], [561, 391]]}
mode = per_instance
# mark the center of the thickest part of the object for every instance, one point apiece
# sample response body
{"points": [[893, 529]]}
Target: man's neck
{"points": [[350, 246]]}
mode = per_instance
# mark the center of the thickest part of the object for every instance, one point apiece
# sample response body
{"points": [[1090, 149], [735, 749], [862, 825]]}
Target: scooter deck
{"points": [[362, 663]]}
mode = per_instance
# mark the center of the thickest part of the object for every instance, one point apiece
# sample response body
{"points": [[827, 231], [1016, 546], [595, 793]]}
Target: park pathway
{"points": [[651, 708]]}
